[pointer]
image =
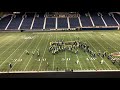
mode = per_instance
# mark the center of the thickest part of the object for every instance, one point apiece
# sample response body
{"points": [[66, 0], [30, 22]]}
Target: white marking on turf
{"points": [[54, 55], [1, 42], [43, 53], [66, 60], [34, 51], [4, 36], [113, 41], [76, 54], [12, 53], [89, 57], [108, 44], [96, 51], [91, 62], [22, 54], [53, 62], [65, 57], [10, 46]]}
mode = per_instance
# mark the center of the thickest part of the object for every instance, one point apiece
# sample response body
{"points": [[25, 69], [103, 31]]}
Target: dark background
{"points": [[59, 5]]}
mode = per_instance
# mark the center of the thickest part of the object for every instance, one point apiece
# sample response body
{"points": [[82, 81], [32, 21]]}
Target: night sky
{"points": [[57, 5]]}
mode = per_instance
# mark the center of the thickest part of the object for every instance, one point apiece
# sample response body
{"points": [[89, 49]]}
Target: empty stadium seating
{"points": [[85, 19], [15, 22], [62, 23], [4, 22], [39, 21], [97, 19], [117, 17], [27, 21], [109, 19], [50, 23], [74, 22]]}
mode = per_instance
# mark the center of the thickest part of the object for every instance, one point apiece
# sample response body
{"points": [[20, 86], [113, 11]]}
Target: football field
{"points": [[13, 46]]}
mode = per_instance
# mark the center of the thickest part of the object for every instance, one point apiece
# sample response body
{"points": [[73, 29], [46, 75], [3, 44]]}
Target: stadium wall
{"points": [[99, 28]]}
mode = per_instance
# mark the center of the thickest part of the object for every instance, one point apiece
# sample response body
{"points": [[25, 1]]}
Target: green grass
{"points": [[14, 44]]}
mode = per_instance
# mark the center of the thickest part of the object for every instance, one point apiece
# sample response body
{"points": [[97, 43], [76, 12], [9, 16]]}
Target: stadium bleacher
{"points": [[40, 21], [15, 22], [74, 22], [62, 23], [85, 19], [109, 19], [28, 18], [96, 17], [4, 21], [50, 23], [117, 17]]}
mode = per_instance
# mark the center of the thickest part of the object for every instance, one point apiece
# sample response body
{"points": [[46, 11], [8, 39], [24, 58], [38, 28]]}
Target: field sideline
{"points": [[14, 44]]}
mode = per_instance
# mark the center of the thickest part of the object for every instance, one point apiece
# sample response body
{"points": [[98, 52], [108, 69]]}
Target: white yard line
{"points": [[21, 54], [114, 42], [96, 51], [94, 65], [27, 63], [5, 42], [108, 44], [4, 36], [53, 62], [116, 35], [44, 53], [9, 47], [89, 56], [77, 55], [34, 51], [11, 54], [54, 55], [79, 62], [65, 57], [66, 60]]}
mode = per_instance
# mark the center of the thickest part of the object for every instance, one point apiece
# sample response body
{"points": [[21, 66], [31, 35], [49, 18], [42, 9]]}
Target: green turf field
{"points": [[14, 44]]}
